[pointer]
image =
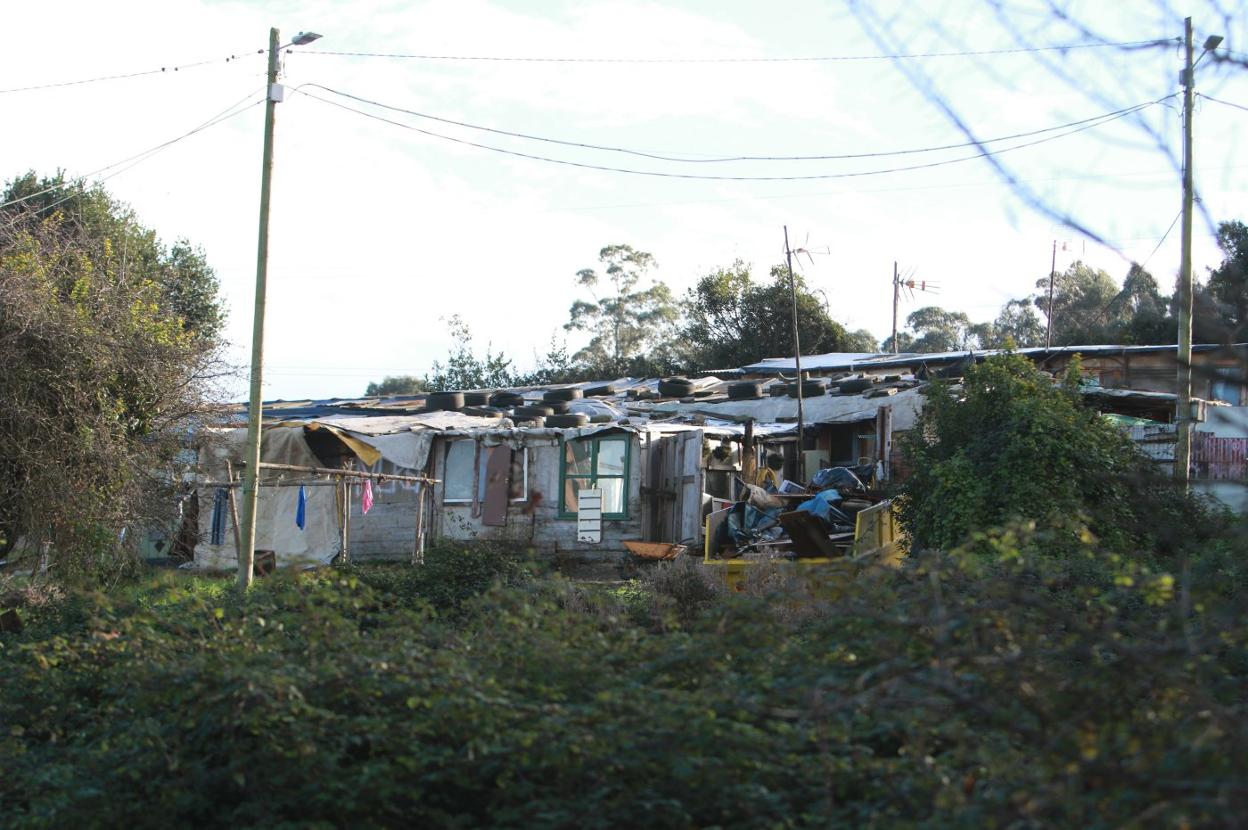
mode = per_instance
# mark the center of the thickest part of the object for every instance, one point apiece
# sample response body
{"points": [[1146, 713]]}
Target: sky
{"points": [[380, 232]]}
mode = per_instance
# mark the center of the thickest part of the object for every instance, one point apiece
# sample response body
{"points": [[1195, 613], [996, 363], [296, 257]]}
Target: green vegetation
{"points": [[731, 320], [1009, 445], [107, 352], [986, 687]]}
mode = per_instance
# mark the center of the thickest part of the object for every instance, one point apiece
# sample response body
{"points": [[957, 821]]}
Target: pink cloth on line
{"points": [[366, 497]]}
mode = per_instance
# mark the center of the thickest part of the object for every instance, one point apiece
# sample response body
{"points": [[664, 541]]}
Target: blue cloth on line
{"points": [[216, 535], [301, 512]]}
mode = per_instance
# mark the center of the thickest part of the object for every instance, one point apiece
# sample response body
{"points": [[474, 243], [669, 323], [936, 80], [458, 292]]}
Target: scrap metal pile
{"points": [[817, 519]]}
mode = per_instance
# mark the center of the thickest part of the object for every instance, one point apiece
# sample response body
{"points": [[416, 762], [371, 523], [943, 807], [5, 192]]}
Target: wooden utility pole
{"points": [[251, 473], [797, 364], [1183, 413], [1048, 334], [896, 297]]}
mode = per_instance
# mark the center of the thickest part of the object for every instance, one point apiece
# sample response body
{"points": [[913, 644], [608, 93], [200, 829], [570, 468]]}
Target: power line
{"points": [[161, 70], [138, 158], [660, 157], [661, 174], [797, 59], [1225, 103], [1162, 240]]}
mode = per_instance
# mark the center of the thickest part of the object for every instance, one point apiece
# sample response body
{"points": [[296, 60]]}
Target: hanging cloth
{"points": [[366, 496], [301, 512], [217, 534]]}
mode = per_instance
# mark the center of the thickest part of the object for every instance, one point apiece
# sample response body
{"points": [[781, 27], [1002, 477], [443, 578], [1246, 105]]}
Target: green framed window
{"points": [[596, 464]]}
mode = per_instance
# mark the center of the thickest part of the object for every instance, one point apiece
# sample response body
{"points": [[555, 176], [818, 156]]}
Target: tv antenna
{"points": [[910, 286]]}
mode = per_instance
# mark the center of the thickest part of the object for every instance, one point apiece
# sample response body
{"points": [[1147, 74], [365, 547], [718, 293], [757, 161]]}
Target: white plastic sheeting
{"points": [[317, 542], [821, 409]]}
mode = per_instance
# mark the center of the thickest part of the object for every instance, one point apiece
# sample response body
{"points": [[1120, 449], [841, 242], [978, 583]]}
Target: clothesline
{"points": [[329, 471]]}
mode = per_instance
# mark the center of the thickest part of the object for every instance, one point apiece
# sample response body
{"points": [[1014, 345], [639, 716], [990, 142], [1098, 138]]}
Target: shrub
{"points": [[995, 685], [1009, 445], [451, 574]]}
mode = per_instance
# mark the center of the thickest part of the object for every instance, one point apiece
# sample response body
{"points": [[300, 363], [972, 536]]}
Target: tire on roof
{"points": [[444, 401], [570, 393], [745, 390], [675, 387], [575, 419]]}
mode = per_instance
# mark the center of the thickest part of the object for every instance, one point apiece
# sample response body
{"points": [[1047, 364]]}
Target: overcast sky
{"points": [[380, 232]]}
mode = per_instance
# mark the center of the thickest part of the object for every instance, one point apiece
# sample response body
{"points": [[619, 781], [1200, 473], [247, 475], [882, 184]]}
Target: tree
{"points": [[105, 372], [629, 322], [463, 369], [935, 330], [732, 321], [1141, 312], [1083, 306], [1011, 445], [188, 286], [861, 341], [1228, 283], [904, 342], [396, 385], [1016, 324], [556, 366]]}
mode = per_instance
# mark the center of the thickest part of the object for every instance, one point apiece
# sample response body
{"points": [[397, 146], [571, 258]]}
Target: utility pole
{"points": [[797, 364], [1048, 334], [251, 457], [896, 293], [1183, 413]]}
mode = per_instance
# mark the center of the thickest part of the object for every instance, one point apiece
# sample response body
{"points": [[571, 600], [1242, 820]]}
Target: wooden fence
{"points": [[1219, 459]]}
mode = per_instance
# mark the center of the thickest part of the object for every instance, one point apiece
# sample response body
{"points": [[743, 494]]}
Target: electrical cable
{"points": [[661, 174], [1224, 103], [799, 59], [1162, 240], [163, 69], [660, 157], [229, 112]]}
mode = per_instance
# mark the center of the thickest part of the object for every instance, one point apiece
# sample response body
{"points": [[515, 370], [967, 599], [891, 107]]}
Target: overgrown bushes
{"points": [[1010, 445], [990, 686]]}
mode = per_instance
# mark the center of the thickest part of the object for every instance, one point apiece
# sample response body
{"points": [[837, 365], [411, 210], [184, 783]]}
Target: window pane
{"points": [[612, 494], [611, 454], [571, 487], [576, 454], [457, 478]]}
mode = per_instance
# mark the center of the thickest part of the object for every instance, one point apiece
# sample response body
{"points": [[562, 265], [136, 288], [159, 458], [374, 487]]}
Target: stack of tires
{"points": [[556, 400], [675, 387]]}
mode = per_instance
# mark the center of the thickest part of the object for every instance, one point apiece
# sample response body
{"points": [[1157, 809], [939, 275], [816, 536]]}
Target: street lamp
{"points": [[251, 471]]}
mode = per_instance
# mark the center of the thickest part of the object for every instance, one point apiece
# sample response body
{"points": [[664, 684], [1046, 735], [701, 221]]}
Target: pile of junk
{"points": [[788, 520]]}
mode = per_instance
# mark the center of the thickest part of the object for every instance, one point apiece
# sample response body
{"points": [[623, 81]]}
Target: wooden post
{"points": [[238, 532], [418, 549], [345, 508], [748, 461], [797, 365]]}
